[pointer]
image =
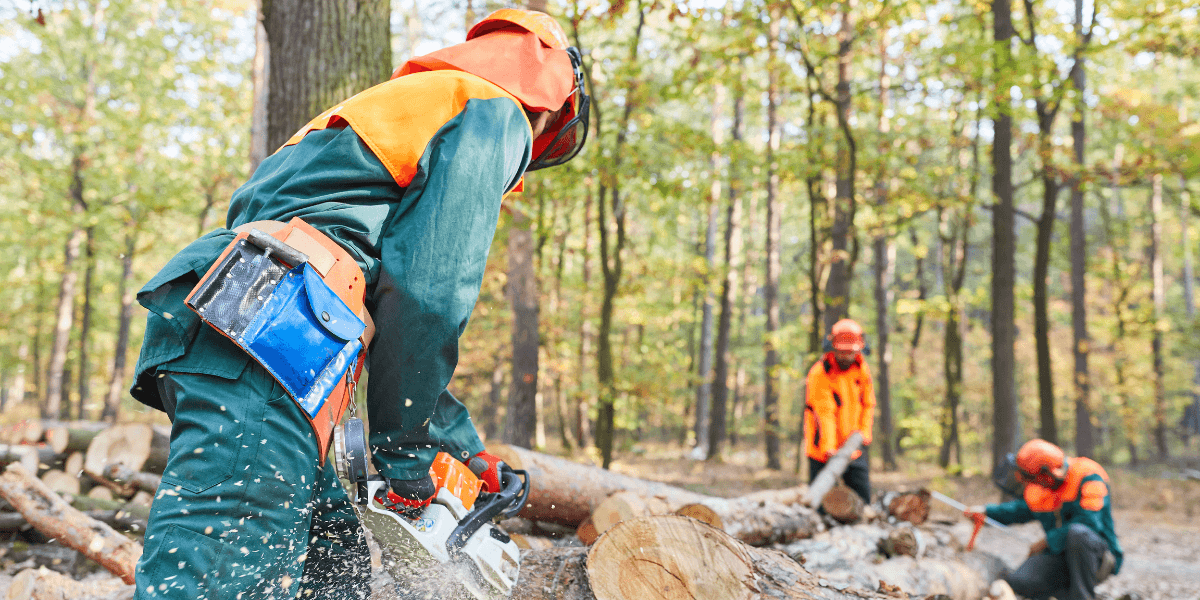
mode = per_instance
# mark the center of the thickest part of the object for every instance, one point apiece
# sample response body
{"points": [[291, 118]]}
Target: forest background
{"points": [[1001, 194]]}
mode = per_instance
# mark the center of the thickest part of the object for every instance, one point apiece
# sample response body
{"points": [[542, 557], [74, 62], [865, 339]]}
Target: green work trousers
{"points": [[245, 510]]}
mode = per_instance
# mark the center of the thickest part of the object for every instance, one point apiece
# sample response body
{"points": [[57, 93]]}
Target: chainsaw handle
{"points": [[501, 504]]}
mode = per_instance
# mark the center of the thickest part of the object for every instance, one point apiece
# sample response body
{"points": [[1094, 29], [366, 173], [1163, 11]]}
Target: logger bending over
{"points": [[392, 197], [1071, 499], [840, 400]]}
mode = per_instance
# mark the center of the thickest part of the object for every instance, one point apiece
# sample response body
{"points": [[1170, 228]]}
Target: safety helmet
{"points": [[847, 335], [563, 140], [1041, 462]]}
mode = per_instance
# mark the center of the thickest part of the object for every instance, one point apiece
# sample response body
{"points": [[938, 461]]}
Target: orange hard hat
{"points": [[539, 23], [847, 334], [1040, 458]]}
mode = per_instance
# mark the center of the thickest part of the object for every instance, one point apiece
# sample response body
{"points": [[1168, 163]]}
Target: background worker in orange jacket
{"points": [[1071, 499], [840, 400]]}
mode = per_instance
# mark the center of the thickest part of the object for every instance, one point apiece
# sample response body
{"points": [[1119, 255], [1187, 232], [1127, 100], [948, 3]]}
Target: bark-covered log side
{"points": [[554, 574], [671, 557], [44, 584], [51, 515]]}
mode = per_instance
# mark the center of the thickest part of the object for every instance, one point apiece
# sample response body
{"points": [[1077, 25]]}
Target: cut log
{"points": [[623, 506], [100, 493], [135, 445], [672, 557], [910, 506], [828, 477], [44, 584], [843, 504], [31, 432], [565, 492], [74, 464], [587, 532], [60, 482], [52, 516], [73, 436], [27, 456], [701, 513], [531, 542], [136, 480]]}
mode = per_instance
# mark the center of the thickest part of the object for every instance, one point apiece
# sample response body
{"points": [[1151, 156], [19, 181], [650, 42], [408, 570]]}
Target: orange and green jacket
{"points": [[1083, 498], [839, 402]]}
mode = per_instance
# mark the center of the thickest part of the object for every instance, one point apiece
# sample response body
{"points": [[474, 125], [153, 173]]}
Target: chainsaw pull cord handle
{"points": [[496, 505]]}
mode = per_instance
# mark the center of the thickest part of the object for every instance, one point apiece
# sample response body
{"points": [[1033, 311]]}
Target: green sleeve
{"points": [[433, 252], [1015, 511]]}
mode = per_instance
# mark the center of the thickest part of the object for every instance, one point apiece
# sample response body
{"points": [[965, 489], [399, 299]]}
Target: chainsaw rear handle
{"points": [[503, 504]]}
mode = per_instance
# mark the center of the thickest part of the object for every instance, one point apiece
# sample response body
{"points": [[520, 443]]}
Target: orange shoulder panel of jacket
{"points": [[1080, 467], [1091, 497], [1040, 499], [397, 119]]}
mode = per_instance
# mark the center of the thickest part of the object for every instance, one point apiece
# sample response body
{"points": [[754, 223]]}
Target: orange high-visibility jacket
{"points": [[838, 403]]}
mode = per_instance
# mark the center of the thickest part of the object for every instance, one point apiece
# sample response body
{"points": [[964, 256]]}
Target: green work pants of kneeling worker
{"points": [[245, 510]]}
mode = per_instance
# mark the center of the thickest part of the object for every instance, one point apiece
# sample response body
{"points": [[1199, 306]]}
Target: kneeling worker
{"points": [[840, 400], [1070, 498]]}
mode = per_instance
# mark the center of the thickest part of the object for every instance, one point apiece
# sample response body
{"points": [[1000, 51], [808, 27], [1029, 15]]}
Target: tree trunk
{"points": [[522, 415], [1190, 426], [583, 397], [704, 380], [116, 382], [321, 53], [85, 322], [1085, 441], [612, 259], [56, 392], [919, 255], [884, 255], [261, 75], [1004, 413], [1158, 294], [733, 250], [837, 290], [1041, 268], [771, 285]]}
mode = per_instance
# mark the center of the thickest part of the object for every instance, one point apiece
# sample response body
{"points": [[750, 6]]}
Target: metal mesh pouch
{"points": [[287, 319]]}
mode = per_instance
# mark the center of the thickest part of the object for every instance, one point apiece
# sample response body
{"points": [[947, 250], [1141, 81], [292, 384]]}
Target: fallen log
{"points": [[44, 584], [137, 446], [672, 557], [623, 506], [554, 574], [52, 516], [61, 482], [133, 480], [72, 436], [843, 504], [565, 492], [910, 506], [828, 477]]}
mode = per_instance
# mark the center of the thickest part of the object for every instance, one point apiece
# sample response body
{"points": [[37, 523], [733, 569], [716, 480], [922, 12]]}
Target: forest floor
{"points": [[1156, 513]]}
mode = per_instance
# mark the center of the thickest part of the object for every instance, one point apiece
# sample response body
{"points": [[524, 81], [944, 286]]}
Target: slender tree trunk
{"points": [[837, 290], [1041, 317], [733, 250], [1085, 441], [612, 260], [704, 372], [116, 382], [491, 424], [1158, 293], [55, 390], [957, 245], [85, 322], [919, 252], [772, 267], [583, 397], [261, 74], [1123, 284], [884, 250], [322, 52], [1191, 426], [522, 415], [1004, 414]]}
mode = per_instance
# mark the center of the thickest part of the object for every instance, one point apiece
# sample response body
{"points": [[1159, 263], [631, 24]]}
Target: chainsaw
{"points": [[454, 549]]}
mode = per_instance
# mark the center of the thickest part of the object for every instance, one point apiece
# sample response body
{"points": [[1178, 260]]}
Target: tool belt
{"points": [[292, 298]]}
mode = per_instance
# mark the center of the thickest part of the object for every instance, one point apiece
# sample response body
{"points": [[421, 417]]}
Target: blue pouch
{"points": [[305, 336]]}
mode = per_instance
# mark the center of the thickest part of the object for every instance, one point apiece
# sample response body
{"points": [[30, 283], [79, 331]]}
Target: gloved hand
{"points": [[1038, 547], [409, 497], [487, 468]]}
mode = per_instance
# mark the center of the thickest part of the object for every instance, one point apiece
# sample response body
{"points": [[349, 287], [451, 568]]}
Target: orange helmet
{"points": [[541, 24], [847, 335], [1041, 462]]}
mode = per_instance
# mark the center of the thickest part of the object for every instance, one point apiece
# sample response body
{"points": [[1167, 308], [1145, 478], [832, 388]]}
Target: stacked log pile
{"points": [[588, 533]]}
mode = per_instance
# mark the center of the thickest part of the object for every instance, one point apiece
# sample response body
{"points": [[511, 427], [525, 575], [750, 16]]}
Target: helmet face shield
{"points": [[570, 137]]}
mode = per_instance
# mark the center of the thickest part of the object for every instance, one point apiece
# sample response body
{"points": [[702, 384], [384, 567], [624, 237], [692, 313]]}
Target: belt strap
{"points": [[319, 256]]}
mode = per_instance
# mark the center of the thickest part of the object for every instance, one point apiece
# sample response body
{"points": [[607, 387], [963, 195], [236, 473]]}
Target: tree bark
{"points": [[704, 381], [837, 290], [261, 76], [522, 415], [56, 398], [772, 267], [884, 256], [1158, 293], [1085, 440], [321, 52], [85, 322], [733, 251], [44, 584], [1004, 413], [1041, 267], [116, 382]]}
